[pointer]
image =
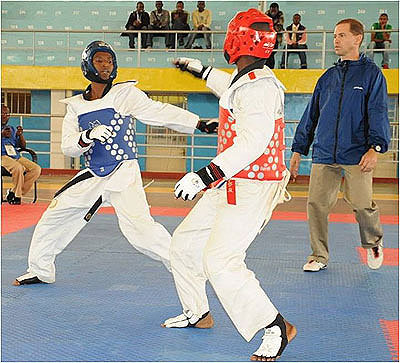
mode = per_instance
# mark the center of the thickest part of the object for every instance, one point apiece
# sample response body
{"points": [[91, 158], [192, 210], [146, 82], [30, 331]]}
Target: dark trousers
{"points": [[179, 26], [167, 36], [302, 55], [132, 37]]}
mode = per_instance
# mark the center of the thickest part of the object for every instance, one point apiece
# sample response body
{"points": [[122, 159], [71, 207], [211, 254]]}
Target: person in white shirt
{"points": [[99, 125], [296, 38], [246, 180]]}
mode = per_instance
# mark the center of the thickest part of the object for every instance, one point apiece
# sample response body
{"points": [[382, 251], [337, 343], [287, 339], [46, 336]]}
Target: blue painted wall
{"points": [[38, 141], [206, 106]]}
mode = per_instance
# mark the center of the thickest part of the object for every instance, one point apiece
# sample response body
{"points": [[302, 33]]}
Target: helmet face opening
{"points": [[249, 33], [88, 69]]}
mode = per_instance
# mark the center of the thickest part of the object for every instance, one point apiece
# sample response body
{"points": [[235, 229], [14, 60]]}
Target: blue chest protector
{"points": [[103, 158]]}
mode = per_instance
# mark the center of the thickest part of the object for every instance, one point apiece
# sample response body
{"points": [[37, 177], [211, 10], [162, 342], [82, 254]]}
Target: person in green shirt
{"points": [[381, 40]]}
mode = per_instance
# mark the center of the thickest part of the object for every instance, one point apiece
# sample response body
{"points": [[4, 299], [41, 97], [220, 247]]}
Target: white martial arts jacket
{"points": [[250, 134], [123, 102]]}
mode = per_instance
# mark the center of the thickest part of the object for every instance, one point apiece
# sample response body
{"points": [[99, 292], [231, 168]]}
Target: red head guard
{"points": [[242, 40]]}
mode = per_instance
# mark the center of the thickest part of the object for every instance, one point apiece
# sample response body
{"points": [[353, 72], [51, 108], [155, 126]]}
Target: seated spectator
{"points": [[179, 21], [381, 40], [295, 40], [138, 20], [11, 159], [159, 20], [201, 21], [277, 17]]}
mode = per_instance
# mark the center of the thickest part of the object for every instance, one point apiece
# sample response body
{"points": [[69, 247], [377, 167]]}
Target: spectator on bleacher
{"points": [[277, 17], [381, 40], [295, 40], [159, 20], [201, 18], [138, 20], [11, 159], [179, 21], [347, 122]]}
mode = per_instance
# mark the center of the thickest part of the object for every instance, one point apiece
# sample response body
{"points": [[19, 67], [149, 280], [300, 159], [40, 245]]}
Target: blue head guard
{"points": [[88, 69]]}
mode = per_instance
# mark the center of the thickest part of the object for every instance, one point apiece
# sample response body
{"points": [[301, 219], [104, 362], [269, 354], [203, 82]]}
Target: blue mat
{"points": [[109, 300]]}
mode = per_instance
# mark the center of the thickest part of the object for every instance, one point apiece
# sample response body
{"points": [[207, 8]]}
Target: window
{"points": [[17, 101]]}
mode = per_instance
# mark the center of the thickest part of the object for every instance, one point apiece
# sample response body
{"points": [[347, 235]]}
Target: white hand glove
{"points": [[187, 187], [101, 133], [193, 66]]}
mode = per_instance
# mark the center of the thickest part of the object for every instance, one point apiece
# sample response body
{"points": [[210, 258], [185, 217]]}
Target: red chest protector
{"points": [[270, 165]]}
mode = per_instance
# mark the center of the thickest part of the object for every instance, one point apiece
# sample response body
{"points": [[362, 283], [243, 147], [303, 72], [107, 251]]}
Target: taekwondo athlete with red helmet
{"points": [[99, 125], [248, 178]]}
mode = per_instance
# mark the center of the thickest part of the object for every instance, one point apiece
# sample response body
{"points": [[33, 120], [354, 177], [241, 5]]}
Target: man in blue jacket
{"points": [[347, 120]]}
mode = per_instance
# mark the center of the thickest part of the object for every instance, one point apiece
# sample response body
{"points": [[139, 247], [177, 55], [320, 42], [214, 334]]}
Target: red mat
{"points": [[390, 256], [17, 217], [391, 331]]}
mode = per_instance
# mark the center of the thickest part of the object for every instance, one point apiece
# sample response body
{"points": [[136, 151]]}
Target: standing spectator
{"points": [[277, 17], [11, 159], [159, 20], [138, 20], [347, 119], [201, 21], [295, 40], [381, 40], [179, 21]]}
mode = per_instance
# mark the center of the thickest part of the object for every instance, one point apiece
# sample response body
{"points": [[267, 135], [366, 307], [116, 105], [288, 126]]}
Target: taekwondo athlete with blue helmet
{"points": [[98, 124]]}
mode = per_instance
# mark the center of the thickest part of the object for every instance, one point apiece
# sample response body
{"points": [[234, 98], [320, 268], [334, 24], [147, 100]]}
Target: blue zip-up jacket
{"points": [[346, 115]]}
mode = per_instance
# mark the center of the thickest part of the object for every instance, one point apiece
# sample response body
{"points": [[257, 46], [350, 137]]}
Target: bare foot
{"points": [[206, 323]]}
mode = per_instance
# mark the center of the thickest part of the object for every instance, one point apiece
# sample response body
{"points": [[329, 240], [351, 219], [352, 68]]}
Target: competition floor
{"points": [[109, 300]]}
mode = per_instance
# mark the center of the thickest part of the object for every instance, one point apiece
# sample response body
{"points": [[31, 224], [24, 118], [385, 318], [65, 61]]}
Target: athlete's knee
{"points": [[214, 262], [180, 248]]}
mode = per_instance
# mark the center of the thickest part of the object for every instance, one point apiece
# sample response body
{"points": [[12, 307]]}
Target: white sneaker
{"points": [[314, 266], [375, 256]]}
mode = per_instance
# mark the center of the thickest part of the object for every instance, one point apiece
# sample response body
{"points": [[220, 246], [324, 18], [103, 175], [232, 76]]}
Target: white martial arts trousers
{"points": [[64, 218], [211, 243]]}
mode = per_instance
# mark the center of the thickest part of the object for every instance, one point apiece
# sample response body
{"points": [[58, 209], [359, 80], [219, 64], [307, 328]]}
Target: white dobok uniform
{"points": [[211, 242], [112, 176]]}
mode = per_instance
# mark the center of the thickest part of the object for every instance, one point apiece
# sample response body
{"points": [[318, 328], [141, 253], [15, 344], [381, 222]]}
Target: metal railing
{"points": [[324, 49], [191, 147]]}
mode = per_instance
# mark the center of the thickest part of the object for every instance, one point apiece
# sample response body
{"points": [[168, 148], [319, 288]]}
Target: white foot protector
{"points": [[185, 320], [274, 340], [27, 279]]}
